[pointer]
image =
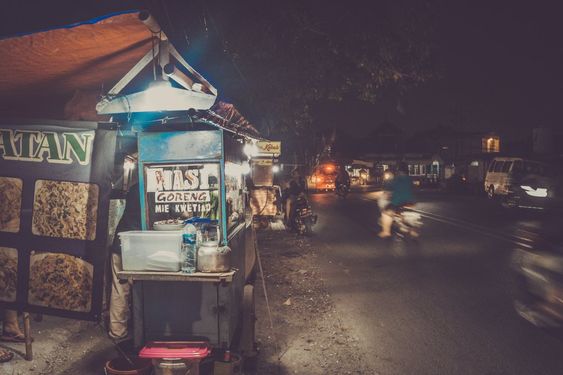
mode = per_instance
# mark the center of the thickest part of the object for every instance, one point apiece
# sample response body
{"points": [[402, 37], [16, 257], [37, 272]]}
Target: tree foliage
{"points": [[293, 54]]}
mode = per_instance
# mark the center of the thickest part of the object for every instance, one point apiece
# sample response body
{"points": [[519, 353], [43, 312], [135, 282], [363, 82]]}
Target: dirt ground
{"points": [[308, 335]]}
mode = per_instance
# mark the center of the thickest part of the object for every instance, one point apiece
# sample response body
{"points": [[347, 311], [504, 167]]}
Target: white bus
{"points": [[516, 180]]}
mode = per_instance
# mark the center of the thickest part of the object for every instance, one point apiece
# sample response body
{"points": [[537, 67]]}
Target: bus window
{"points": [[506, 166], [498, 166], [492, 166]]}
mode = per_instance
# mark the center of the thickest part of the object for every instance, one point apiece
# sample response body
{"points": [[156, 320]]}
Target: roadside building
{"points": [[425, 169]]}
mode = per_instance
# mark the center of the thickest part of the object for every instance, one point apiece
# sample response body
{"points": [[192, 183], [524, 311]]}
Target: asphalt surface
{"points": [[442, 306]]}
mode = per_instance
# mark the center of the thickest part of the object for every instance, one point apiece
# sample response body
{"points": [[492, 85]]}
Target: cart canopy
{"points": [[61, 73], [101, 66]]}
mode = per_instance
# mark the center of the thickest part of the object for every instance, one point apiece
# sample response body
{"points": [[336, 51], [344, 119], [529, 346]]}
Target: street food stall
{"points": [[58, 177], [191, 169], [265, 194], [182, 175], [359, 171]]}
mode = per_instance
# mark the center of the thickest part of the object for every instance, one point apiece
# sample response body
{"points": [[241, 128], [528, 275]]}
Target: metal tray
{"points": [[157, 226]]}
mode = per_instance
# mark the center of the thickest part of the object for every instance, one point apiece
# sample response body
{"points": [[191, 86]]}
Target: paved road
{"points": [[443, 307]]}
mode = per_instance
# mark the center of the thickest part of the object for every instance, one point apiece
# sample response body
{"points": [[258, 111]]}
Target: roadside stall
{"points": [[58, 176], [183, 175], [360, 172], [56, 171], [191, 169], [265, 193]]}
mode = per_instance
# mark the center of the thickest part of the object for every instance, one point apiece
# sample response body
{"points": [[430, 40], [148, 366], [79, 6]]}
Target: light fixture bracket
{"points": [[196, 92]]}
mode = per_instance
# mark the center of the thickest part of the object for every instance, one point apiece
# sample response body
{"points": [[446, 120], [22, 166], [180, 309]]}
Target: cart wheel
{"points": [[248, 338]]}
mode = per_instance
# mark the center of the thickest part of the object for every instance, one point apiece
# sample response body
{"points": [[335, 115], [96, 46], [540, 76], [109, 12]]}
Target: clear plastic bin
{"points": [[151, 250]]}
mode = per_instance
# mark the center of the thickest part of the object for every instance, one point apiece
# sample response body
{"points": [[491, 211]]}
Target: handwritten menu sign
{"points": [[175, 192]]}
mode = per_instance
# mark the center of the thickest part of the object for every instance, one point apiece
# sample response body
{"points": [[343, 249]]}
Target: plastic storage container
{"points": [[176, 357], [151, 250]]}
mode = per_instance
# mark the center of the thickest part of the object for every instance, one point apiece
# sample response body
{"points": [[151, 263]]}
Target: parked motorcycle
{"points": [[303, 217]]}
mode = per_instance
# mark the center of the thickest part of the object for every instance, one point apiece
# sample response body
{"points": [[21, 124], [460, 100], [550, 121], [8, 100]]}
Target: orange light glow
{"points": [[329, 168]]}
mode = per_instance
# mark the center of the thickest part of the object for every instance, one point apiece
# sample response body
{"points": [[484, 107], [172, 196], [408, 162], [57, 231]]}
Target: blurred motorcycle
{"points": [[538, 283], [406, 222]]}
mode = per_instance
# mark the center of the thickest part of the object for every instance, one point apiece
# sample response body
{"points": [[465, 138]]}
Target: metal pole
{"points": [[177, 75], [27, 333], [152, 24]]}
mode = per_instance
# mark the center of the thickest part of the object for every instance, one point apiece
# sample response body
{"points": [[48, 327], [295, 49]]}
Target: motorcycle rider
{"points": [[342, 180], [400, 188]]}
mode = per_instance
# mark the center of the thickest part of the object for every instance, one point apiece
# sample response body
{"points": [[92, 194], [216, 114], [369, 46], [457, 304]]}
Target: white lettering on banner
{"points": [[160, 208], [182, 196], [36, 146]]}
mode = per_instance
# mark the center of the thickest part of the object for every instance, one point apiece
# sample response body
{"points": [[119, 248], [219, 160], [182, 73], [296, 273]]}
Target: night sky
{"points": [[497, 64]]}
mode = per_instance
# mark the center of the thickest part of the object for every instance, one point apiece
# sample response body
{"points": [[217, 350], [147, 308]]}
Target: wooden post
{"points": [[27, 333]]}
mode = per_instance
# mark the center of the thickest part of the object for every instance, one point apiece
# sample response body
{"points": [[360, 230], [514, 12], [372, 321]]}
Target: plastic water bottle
{"points": [[189, 248]]}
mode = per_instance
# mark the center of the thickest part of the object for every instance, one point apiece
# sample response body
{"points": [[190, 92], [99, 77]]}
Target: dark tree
{"points": [[291, 55]]}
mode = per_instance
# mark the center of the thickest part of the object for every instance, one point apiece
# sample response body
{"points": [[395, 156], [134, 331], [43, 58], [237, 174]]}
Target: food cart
{"points": [[265, 194], [191, 164], [202, 175]]}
